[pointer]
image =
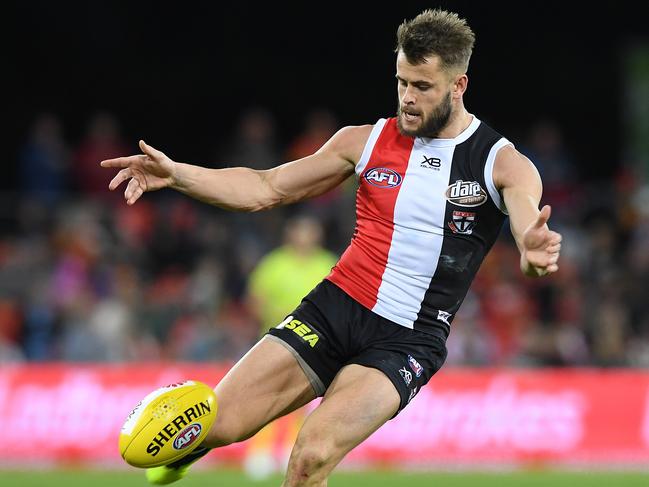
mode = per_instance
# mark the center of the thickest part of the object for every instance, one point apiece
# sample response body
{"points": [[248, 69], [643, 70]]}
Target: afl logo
{"points": [[466, 193], [187, 436], [383, 177]]}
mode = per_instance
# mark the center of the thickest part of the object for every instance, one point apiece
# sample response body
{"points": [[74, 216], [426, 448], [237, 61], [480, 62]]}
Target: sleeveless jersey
{"points": [[427, 213]]}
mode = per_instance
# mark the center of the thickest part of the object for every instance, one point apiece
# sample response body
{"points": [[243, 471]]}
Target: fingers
{"points": [[548, 266], [150, 151], [544, 257], [553, 243], [544, 261], [553, 252], [121, 161], [543, 217], [554, 238], [131, 171], [133, 191], [119, 178]]}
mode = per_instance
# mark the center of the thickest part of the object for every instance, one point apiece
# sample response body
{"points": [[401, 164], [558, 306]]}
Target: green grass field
{"points": [[228, 478]]}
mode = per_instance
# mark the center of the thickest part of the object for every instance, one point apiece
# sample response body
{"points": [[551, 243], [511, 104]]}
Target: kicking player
{"points": [[435, 186]]}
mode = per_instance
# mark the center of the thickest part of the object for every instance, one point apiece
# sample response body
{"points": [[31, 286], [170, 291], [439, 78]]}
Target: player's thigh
{"points": [[266, 383], [357, 403]]}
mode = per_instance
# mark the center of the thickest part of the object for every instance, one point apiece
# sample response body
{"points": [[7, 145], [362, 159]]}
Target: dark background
{"points": [[179, 74]]}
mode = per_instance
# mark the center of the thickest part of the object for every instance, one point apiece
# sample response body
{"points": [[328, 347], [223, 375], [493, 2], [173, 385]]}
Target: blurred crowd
{"points": [[85, 278]]}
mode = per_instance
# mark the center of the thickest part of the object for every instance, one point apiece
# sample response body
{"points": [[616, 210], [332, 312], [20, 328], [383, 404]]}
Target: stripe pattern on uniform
{"points": [[427, 212]]}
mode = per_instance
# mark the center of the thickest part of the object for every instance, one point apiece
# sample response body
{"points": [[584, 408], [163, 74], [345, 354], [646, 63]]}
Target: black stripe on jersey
{"points": [[461, 253]]}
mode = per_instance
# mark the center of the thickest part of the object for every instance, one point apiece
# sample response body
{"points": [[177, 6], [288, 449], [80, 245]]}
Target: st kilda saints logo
{"points": [[462, 222], [466, 193], [382, 177]]}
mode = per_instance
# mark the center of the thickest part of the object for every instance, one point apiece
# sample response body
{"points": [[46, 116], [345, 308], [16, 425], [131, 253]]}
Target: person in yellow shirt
{"points": [[278, 283]]}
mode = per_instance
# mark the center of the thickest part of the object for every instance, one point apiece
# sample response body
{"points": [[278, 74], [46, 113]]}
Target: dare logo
{"points": [[187, 436], [383, 177], [466, 193]]}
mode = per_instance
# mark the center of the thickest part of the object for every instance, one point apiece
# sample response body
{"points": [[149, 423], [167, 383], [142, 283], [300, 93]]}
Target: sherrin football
{"points": [[167, 424]]}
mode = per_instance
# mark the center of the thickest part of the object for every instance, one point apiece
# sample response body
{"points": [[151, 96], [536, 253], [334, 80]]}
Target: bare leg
{"points": [[266, 383], [357, 403]]}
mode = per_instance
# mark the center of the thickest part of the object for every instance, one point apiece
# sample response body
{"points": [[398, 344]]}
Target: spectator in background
{"points": [[284, 276], [606, 314], [277, 284], [10, 327], [255, 141], [545, 146], [103, 139], [507, 309], [638, 257], [320, 125], [75, 281], [254, 144], [638, 265], [472, 344], [335, 208], [44, 161]]}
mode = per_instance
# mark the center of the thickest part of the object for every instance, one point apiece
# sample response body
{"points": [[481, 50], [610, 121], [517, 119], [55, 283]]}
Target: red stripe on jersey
{"points": [[360, 269]]}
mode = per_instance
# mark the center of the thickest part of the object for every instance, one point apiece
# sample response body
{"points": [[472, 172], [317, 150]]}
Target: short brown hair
{"points": [[437, 32]]}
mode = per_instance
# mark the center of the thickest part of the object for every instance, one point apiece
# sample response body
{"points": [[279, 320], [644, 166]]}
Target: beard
{"points": [[433, 123]]}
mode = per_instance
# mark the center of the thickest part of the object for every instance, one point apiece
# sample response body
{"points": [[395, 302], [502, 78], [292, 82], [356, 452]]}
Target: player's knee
{"points": [[227, 429], [310, 463]]}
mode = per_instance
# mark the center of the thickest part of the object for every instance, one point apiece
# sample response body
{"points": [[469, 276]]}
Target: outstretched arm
{"points": [[519, 181], [240, 188]]}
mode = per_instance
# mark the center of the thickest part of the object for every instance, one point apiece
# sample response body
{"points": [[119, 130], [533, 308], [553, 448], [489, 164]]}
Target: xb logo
{"points": [[383, 177], [431, 163]]}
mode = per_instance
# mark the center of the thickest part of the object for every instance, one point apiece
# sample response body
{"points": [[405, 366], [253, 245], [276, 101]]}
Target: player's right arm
{"points": [[241, 188]]}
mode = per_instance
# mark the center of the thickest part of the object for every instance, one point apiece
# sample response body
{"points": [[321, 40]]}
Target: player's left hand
{"points": [[541, 246]]}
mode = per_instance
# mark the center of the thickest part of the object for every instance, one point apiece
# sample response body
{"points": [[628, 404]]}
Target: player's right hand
{"points": [[540, 246], [145, 172]]}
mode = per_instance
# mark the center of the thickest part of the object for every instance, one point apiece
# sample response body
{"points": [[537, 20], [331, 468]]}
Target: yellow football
{"points": [[168, 424]]}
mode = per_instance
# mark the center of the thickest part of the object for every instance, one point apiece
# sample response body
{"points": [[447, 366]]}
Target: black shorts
{"points": [[329, 330]]}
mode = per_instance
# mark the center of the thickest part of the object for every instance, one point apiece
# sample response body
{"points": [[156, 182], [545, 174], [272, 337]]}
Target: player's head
{"points": [[433, 52]]}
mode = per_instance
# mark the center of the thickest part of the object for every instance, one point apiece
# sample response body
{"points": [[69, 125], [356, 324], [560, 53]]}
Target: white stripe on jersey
{"points": [[369, 146], [418, 234], [489, 175]]}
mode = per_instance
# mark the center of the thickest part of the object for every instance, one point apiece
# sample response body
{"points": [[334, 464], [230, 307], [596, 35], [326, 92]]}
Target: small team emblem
{"points": [[463, 222], [415, 366]]}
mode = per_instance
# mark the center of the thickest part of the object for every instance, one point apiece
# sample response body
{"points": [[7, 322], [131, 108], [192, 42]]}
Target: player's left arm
{"points": [[520, 184]]}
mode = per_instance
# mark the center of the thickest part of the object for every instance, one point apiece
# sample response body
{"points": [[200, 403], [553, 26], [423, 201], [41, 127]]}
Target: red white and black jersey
{"points": [[427, 212]]}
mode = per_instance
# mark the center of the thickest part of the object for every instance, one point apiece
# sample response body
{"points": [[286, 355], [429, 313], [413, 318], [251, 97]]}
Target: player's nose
{"points": [[408, 97]]}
